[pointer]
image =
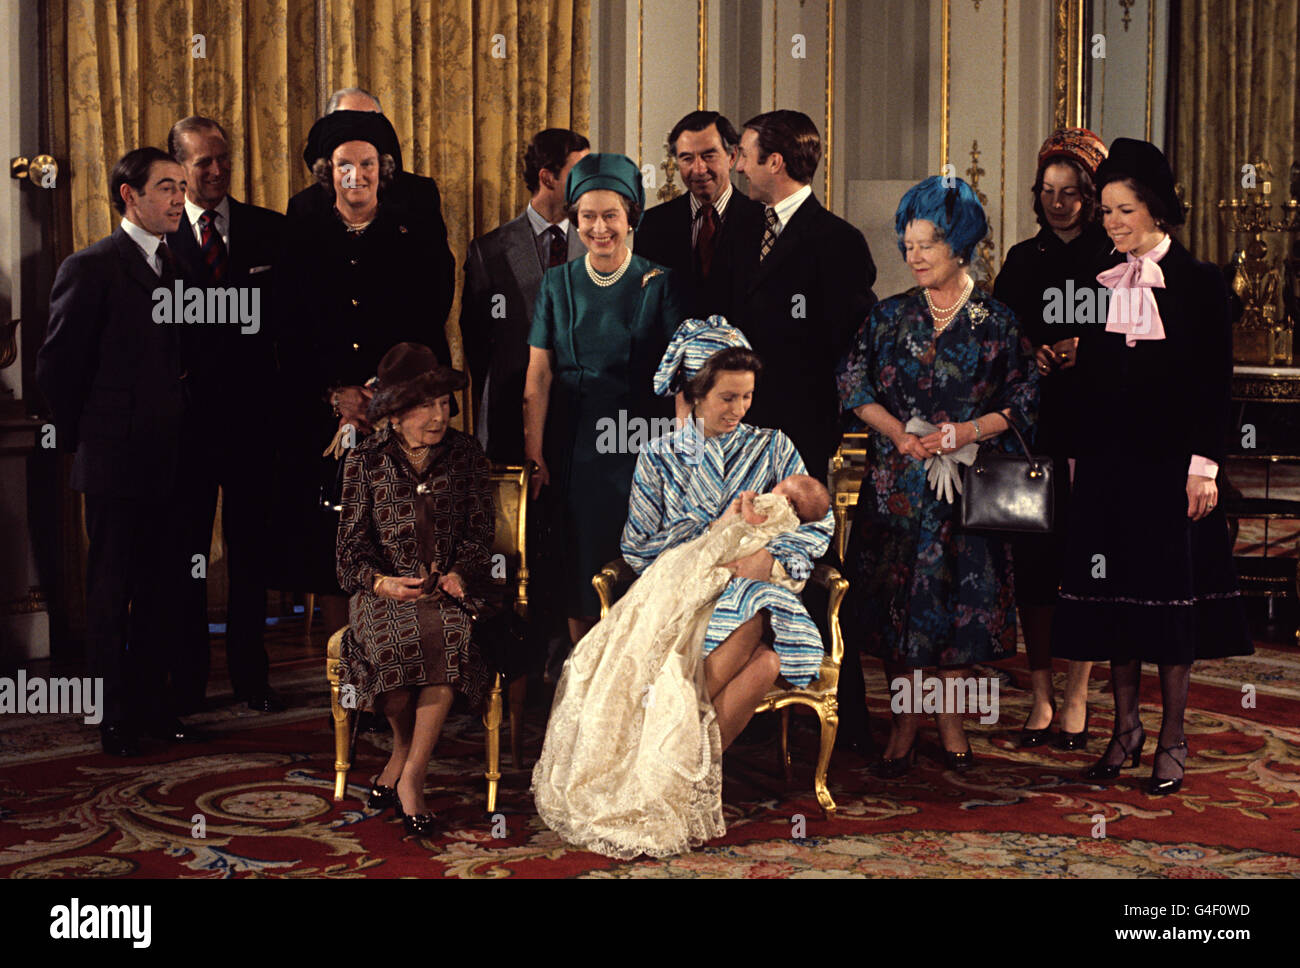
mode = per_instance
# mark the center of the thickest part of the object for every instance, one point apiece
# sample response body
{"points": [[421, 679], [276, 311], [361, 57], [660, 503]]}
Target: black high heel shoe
{"points": [[1035, 737], [420, 824], [892, 769], [1158, 787], [1102, 770], [1075, 741], [961, 762], [381, 797]]}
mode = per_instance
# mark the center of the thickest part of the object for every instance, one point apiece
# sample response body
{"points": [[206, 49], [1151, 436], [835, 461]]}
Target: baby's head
{"points": [[809, 496]]}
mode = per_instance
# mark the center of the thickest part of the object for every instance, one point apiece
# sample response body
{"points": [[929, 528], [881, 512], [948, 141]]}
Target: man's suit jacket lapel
{"points": [[521, 253], [184, 246], [792, 237], [133, 261], [237, 264]]}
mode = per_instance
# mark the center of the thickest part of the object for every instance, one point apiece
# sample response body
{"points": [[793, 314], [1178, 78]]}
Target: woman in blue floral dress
{"points": [[922, 593]]}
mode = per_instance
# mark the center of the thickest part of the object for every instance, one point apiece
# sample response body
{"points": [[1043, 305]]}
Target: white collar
{"points": [[222, 209], [786, 208], [538, 221], [147, 241], [720, 206]]}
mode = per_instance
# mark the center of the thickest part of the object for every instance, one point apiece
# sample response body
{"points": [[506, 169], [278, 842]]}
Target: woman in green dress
{"points": [[600, 326]]}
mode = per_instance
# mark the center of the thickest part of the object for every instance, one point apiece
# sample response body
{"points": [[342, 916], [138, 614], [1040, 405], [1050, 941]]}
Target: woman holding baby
{"points": [[934, 370], [660, 687]]}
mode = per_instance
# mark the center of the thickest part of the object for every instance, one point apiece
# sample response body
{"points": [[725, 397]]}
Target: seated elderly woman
{"points": [[654, 694], [934, 369], [414, 550]]}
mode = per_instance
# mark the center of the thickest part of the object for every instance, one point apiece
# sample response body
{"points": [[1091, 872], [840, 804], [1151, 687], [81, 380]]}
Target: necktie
{"points": [[559, 248], [211, 246], [769, 234], [166, 264], [706, 241]]}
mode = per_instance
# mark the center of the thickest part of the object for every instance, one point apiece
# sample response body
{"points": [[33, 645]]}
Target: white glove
{"points": [[941, 469]]}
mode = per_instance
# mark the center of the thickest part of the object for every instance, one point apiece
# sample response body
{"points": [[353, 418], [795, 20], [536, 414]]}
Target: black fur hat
{"points": [[410, 375]]}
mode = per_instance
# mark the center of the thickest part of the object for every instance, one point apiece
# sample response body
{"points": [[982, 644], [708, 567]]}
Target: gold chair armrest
{"points": [[611, 582], [836, 585]]}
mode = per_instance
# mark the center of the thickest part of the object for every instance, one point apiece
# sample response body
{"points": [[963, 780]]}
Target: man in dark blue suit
{"points": [[230, 247], [117, 384], [701, 235]]}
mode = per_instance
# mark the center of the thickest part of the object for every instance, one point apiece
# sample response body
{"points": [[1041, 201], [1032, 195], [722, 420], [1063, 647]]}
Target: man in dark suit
{"points": [[503, 272], [700, 234], [226, 245], [803, 290], [415, 193], [116, 382]]}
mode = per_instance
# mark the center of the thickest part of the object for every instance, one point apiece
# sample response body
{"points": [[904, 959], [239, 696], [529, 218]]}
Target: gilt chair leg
{"points": [[830, 724], [342, 742], [518, 693], [492, 738], [785, 744]]}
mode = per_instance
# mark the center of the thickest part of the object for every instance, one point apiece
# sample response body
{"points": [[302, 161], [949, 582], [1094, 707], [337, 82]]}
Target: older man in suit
{"points": [[116, 382], [227, 245], [701, 234], [417, 194], [804, 289], [503, 272]]}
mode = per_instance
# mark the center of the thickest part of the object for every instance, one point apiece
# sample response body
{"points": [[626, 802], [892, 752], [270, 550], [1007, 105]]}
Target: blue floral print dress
{"points": [[921, 591]]}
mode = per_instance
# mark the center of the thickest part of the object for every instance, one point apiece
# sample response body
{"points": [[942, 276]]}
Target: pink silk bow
{"points": [[1133, 310]]}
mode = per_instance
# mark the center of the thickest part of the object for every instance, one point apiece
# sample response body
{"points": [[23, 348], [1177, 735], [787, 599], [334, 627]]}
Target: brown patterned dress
{"points": [[401, 524]]}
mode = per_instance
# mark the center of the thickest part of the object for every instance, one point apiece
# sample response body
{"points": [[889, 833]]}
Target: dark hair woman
{"points": [[415, 533], [1147, 574], [1038, 281], [355, 285]]}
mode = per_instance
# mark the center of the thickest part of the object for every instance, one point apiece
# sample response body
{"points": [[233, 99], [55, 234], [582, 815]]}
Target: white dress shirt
{"points": [[147, 242]]}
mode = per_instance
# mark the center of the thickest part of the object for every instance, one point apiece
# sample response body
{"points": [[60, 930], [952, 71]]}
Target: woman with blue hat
{"points": [[600, 326]]}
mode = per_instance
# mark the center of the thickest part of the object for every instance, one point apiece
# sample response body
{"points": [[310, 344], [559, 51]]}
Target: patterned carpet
{"points": [[262, 793]]}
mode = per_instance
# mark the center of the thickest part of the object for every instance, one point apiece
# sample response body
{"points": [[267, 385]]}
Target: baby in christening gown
{"points": [[631, 762]]}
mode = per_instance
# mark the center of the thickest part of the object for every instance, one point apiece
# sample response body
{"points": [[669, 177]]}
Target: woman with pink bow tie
{"points": [[1148, 574]]}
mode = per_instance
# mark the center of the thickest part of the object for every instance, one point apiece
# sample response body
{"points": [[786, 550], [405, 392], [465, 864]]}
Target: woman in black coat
{"points": [[1039, 281], [357, 286], [1148, 572]]}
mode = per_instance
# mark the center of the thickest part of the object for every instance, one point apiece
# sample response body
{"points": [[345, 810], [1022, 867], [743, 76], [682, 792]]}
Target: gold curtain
{"points": [[465, 82], [1236, 101]]}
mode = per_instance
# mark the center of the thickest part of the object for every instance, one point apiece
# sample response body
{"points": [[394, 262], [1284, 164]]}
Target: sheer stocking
{"points": [[1174, 683]]}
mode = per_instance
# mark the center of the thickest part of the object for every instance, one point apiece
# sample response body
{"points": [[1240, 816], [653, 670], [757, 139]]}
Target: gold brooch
{"points": [[650, 275], [978, 314]]}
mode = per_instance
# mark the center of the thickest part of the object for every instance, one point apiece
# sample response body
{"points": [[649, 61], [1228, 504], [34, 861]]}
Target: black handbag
{"points": [[509, 643], [1009, 493]]}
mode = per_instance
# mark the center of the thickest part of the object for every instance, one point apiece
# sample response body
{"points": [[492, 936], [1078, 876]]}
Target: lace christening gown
{"points": [[632, 760]]}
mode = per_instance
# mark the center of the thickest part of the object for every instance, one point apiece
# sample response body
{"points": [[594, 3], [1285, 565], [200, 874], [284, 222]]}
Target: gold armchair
{"points": [[819, 695], [510, 487]]}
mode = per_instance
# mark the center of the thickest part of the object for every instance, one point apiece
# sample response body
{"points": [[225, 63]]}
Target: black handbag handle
{"points": [[1024, 447]]}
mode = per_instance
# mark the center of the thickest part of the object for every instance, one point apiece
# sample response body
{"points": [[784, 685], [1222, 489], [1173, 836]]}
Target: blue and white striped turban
{"points": [[691, 346]]}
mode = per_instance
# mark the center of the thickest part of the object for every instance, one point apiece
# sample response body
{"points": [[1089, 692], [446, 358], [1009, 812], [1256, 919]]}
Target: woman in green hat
{"points": [[600, 326]]}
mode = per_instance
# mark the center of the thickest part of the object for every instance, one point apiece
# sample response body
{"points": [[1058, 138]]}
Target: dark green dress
{"points": [[607, 343]]}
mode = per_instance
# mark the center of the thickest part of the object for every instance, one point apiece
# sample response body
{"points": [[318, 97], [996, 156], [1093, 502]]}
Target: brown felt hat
{"points": [[410, 375]]}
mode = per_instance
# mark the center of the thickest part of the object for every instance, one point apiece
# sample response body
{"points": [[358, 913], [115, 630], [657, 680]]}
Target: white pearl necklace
{"points": [[613, 277], [943, 317]]}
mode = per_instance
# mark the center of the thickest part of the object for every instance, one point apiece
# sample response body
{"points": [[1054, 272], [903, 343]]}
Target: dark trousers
{"points": [[245, 519], [134, 574]]}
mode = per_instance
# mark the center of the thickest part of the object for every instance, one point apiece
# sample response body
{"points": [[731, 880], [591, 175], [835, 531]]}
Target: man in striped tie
{"points": [[229, 248]]}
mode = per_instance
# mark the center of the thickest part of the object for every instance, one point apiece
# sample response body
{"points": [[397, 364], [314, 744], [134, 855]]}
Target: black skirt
{"points": [[1141, 580], [1036, 558]]}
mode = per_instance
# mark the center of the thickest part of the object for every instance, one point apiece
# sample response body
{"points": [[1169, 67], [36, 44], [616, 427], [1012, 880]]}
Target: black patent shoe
{"points": [[1101, 770], [1158, 787], [961, 762], [382, 797], [1074, 741], [119, 740], [1035, 737], [420, 824], [891, 769]]}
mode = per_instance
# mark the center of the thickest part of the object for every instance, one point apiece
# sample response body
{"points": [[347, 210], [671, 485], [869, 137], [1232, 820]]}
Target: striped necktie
{"points": [[212, 247]]}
